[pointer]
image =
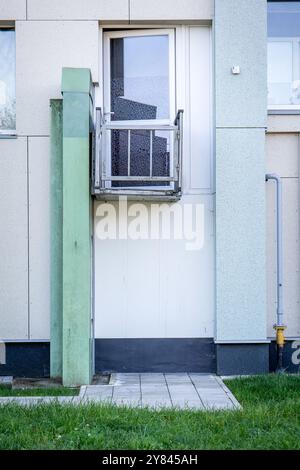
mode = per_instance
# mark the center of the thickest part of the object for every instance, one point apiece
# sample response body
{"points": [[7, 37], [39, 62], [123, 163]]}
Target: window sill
{"points": [[8, 135], [283, 112]]}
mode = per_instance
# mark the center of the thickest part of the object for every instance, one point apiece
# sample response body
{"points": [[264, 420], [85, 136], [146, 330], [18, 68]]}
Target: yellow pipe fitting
{"points": [[280, 339]]}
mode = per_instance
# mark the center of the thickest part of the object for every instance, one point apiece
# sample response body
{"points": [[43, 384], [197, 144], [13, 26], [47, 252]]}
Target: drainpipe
{"points": [[279, 326]]}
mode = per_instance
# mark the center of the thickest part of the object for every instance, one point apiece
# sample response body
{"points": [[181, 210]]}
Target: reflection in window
{"points": [[140, 78], [284, 53], [7, 81], [149, 155], [140, 91]]}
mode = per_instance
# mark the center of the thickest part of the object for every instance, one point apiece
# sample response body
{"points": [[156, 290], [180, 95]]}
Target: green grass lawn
{"points": [[38, 392], [270, 419]]}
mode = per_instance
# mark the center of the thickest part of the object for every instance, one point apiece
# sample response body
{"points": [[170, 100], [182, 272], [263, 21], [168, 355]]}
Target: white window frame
{"points": [[295, 70], [107, 36]]}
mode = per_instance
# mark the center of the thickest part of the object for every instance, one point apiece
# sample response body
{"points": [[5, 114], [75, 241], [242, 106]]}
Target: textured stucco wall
{"points": [[240, 39], [240, 234]]}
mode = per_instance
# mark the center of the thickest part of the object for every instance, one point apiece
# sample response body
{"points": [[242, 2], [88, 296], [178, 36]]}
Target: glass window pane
{"points": [[141, 145], [140, 78], [284, 19], [7, 80], [280, 72], [284, 53]]}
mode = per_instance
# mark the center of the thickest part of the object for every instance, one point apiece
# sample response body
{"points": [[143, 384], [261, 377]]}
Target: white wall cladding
{"points": [[39, 236], [13, 240], [78, 10], [283, 158], [171, 10], [155, 288], [42, 49], [121, 10], [12, 10]]}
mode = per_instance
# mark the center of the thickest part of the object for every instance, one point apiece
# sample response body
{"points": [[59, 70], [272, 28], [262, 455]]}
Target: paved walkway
{"points": [[195, 391], [181, 391]]}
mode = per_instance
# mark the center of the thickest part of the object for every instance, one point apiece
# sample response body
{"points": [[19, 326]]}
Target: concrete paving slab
{"points": [[155, 391]]}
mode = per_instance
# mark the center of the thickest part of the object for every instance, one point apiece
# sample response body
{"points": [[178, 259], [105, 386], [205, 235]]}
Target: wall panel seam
{"points": [[28, 241], [241, 127], [129, 11]]}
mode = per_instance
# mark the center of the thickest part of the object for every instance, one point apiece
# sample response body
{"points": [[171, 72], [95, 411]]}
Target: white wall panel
{"points": [[282, 154], [43, 48], [12, 10], [78, 9], [13, 240], [155, 288], [39, 237], [171, 10]]}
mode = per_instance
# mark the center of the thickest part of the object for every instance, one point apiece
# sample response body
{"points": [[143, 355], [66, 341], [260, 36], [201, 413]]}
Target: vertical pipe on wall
{"points": [[279, 245], [279, 326]]}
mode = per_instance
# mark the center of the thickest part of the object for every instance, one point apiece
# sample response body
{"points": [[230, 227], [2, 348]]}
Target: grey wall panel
{"points": [[241, 39], [242, 359], [193, 10], [240, 234], [42, 49], [14, 239], [241, 118], [12, 10], [39, 236], [78, 10]]}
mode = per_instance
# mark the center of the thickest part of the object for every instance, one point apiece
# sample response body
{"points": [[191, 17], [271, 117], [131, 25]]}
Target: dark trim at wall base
{"points": [[32, 359], [242, 359], [26, 360], [155, 355], [291, 356]]}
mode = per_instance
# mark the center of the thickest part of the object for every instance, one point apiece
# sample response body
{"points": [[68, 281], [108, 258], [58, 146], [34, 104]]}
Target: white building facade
{"points": [[132, 241]]}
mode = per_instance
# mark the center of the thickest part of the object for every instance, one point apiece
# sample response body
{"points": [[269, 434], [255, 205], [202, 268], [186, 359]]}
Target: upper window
{"points": [[284, 55], [140, 77], [7, 81]]}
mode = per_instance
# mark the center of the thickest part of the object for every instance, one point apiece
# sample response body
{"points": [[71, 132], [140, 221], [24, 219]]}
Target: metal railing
{"points": [[105, 183]]}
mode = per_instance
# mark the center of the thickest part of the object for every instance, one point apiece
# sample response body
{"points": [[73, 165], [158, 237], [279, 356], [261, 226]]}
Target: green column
{"points": [[56, 216], [77, 99]]}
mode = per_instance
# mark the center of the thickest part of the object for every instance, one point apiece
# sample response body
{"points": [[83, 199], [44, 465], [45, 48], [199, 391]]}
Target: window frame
{"points": [[10, 133], [112, 34]]}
